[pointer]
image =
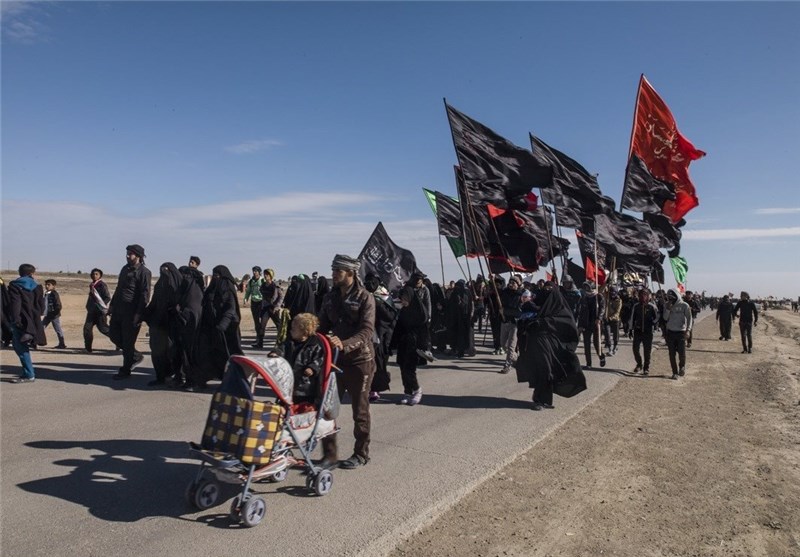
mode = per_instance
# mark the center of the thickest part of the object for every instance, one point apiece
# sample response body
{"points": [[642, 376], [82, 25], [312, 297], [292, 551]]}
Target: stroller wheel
{"points": [[236, 509], [206, 494], [253, 511], [279, 476], [323, 483]]}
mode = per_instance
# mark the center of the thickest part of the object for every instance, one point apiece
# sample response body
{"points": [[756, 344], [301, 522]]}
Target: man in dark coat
{"points": [[643, 321], [590, 311], [747, 312], [127, 308], [348, 317], [547, 359], [25, 306], [725, 317]]}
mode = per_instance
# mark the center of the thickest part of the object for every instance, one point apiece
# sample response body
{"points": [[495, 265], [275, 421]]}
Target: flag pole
{"points": [[469, 205], [549, 239], [600, 354], [642, 79], [441, 257]]}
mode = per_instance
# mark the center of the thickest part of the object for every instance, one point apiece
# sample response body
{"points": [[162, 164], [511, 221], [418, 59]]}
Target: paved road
{"points": [[91, 466]]}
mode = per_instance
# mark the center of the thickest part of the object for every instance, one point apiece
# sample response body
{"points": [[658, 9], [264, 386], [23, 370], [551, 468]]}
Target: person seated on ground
{"points": [[306, 354]]}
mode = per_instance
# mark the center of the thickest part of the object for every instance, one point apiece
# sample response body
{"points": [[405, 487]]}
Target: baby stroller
{"points": [[247, 441]]}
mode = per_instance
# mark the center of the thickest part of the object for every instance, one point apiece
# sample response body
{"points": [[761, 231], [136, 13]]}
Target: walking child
{"points": [[53, 310]]}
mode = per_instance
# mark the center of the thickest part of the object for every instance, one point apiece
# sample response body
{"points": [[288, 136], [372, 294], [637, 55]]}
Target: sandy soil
{"points": [[705, 466]]}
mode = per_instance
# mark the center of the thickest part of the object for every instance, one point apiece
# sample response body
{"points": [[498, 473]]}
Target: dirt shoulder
{"points": [[708, 465]]}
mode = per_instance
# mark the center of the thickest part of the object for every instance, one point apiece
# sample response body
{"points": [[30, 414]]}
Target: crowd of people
{"points": [[194, 326]]}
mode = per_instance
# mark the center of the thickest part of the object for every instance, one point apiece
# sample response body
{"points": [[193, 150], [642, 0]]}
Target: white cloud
{"points": [[778, 211], [741, 233], [21, 22], [292, 233], [253, 146], [290, 205]]}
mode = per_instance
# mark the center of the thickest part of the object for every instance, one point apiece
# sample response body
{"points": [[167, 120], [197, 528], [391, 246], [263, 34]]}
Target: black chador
{"points": [[189, 311], [459, 320], [547, 344], [302, 300], [161, 318], [218, 336]]}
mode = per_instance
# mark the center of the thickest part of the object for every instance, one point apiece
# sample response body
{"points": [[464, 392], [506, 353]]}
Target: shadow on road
{"points": [[129, 480], [628, 373], [95, 374], [471, 401]]}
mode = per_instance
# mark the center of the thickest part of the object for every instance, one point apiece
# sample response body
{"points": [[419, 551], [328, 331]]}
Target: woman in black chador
{"points": [[547, 341], [161, 318], [190, 304], [218, 336], [302, 299], [459, 312]]}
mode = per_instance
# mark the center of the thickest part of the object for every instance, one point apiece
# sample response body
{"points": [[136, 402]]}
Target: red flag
{"points": [[665, 152], [548, 277], [591, 270]]}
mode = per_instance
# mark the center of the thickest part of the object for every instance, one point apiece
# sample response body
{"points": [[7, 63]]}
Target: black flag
{"points": [[643, 192], [573, 191], [448, 215], [495, 170], [640, 264], [669, 235], [393, 264], [625, 235], [576, 273]]}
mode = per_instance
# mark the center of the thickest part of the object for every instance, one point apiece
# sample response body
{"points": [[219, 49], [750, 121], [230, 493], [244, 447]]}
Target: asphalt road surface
{"points": [[92, 466]]}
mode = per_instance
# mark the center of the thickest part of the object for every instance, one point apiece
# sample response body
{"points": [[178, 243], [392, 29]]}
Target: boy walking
{"points": [[96, 309], [53, 308]]}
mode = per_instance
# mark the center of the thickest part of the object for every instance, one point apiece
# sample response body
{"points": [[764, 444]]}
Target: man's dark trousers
{"points": [[642, 338], [746, 329], [356, 380], [123, 333], [676, 344]]}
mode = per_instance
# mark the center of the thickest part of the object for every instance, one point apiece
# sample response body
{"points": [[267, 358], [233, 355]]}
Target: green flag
{"points": [[679, 268], [456, 239]]}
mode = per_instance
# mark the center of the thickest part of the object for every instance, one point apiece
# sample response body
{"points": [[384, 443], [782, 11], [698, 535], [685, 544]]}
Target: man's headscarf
{"points": [[136, 250], [345, 263]]}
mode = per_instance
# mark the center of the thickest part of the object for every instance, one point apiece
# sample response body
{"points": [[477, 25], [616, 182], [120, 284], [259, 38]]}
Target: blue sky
{"points": [[278, 134]]}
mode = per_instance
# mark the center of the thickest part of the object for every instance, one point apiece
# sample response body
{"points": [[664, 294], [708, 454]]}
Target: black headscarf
{"points": [[303, 300], [165, 295]]}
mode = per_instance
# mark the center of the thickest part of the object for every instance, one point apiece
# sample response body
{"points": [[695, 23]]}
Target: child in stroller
{"points": [[306, 354]]}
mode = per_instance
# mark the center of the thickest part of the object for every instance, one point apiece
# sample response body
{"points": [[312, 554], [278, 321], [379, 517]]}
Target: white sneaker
{"points": [[416, 397], [425, 354]]}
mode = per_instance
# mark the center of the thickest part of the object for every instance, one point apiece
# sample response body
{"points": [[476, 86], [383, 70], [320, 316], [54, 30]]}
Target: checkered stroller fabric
{"points": [[243, 428]]}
